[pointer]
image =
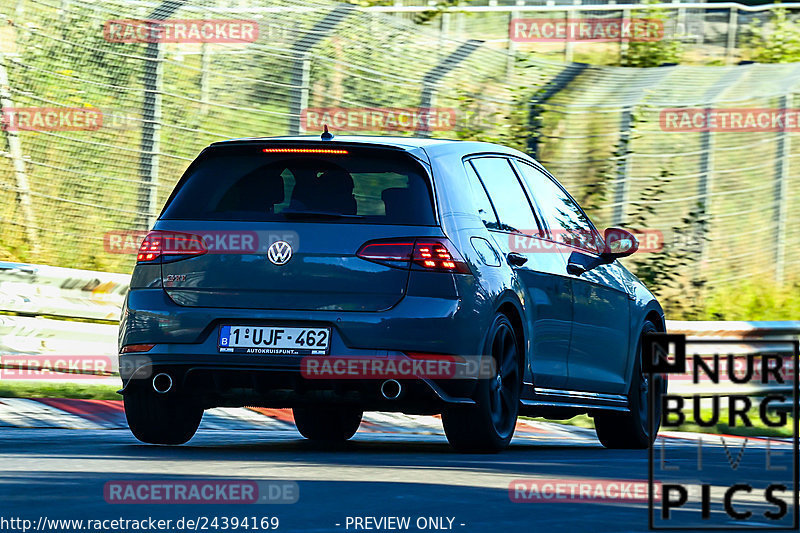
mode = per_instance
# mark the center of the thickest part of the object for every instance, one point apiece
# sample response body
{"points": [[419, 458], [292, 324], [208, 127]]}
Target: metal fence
{"points": [[597, 128], [63, 191], [708, 33]]}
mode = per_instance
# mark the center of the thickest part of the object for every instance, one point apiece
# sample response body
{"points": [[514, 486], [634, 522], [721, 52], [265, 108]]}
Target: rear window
{"points": [[361, 186]]}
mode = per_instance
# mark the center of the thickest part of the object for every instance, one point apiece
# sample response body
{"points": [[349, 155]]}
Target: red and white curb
{"points": [[109, 414]]}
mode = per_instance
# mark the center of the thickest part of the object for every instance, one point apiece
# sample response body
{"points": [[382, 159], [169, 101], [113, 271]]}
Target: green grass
{"points": [[25, 389], [758, 429], [581, 421]]}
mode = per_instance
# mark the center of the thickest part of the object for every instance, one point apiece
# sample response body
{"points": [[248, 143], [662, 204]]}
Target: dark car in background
{"points": [[381, 247]]}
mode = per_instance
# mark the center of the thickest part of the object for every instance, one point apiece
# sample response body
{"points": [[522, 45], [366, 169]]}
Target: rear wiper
{"points": [[317, 214]]}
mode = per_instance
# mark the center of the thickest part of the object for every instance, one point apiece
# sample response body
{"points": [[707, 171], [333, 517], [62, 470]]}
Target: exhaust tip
{"points": [[162, 383], [391, 389]]}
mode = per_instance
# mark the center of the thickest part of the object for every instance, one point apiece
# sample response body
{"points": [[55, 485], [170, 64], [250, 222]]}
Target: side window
{"points": [[478, 193], [566, 220], [506, 194]]}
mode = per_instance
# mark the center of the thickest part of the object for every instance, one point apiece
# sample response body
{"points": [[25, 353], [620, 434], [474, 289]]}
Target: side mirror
{"points": [[619, 243]]}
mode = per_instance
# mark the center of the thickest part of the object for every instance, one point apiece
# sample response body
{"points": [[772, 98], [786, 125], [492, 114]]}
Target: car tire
{"points": [[487, 426], [161, 418], [632, 430], [327, 424]]}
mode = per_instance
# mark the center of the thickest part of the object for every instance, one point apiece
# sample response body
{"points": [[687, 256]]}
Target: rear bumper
{"points": [[429, 324], [278, 383], [439, 314]]}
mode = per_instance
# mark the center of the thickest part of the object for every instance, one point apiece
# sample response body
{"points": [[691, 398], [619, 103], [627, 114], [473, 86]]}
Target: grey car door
{"points": [[598, 355], [541, 273]]}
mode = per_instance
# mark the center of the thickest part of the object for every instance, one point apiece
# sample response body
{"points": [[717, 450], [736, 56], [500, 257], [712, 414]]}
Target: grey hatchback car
{"points": [[274, 257]]}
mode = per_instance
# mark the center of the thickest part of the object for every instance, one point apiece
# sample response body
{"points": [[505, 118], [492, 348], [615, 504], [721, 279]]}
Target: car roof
{"points": [[431, 146], [400, 142]]}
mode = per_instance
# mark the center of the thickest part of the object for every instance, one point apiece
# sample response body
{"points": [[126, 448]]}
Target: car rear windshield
{"points": [[376, 186]]}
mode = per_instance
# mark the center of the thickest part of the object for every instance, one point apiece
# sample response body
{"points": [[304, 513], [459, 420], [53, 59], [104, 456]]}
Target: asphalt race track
{"points": [[61, 473]]}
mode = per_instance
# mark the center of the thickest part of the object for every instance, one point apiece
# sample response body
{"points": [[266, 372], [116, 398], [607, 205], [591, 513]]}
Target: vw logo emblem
{"points": [[279, 252]]}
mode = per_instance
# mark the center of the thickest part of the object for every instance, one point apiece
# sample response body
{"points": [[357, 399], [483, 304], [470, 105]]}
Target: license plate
{"points": [[274, 340]]}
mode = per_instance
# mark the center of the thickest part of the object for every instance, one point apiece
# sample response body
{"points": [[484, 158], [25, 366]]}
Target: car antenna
{"points": [[326, 135]]}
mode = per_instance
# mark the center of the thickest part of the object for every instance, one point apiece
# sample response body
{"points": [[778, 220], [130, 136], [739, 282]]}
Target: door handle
{"points": [[516, 259], [575, 269]]}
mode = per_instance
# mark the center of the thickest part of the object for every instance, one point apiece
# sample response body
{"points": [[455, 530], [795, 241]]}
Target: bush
{"points": [[777, 42], [754, 300], [642, 54]]}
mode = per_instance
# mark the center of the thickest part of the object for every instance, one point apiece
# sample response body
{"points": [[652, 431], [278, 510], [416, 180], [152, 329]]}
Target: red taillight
{"points": [[387, 250], [137, 348], [158, 243], [436, 255]]}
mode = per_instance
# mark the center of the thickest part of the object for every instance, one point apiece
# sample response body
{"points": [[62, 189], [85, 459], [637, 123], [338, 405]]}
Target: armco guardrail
{"points": [[776, 330], [38, 292], [63, 292], [739, 338], [34, 335]]}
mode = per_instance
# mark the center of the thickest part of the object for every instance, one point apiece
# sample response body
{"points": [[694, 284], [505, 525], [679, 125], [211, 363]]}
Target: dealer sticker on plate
{"points": [[274, 340]]}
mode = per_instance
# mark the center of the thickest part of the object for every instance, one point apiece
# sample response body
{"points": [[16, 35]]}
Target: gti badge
{"points": [[279, 252]]}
